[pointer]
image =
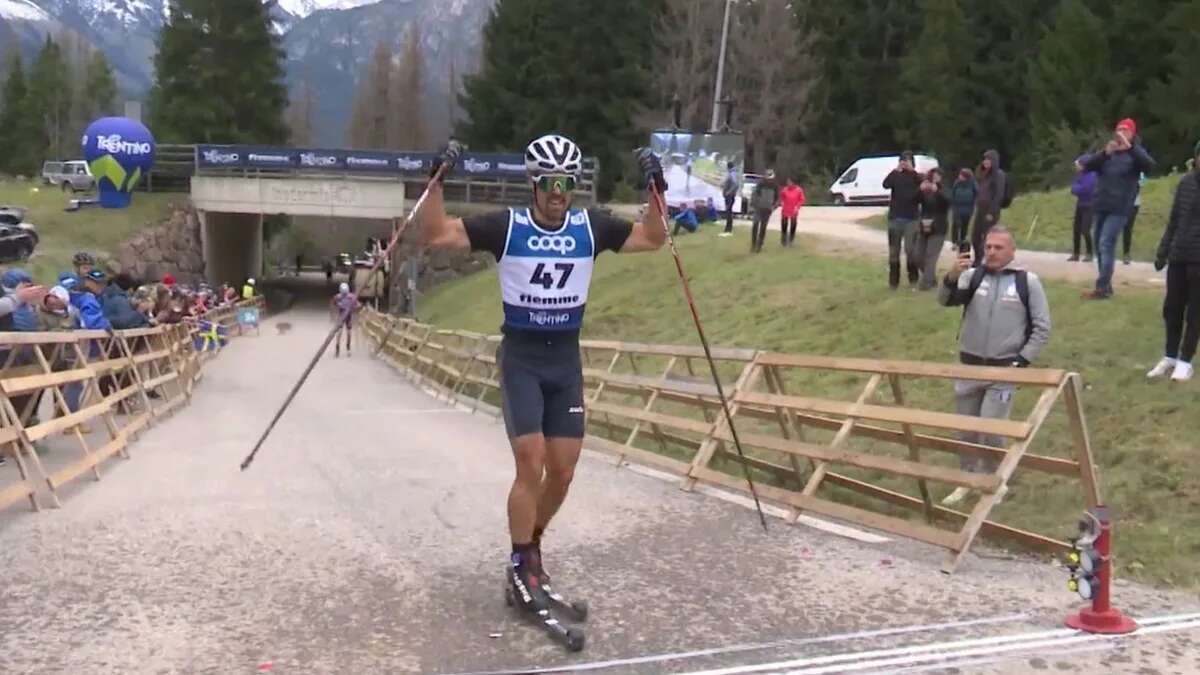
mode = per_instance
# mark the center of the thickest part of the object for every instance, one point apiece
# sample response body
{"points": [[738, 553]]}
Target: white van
{"points": [[862, 183]]}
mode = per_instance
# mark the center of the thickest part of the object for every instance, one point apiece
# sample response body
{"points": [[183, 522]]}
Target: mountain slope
{"points": [[328, 42], [331, 48]]}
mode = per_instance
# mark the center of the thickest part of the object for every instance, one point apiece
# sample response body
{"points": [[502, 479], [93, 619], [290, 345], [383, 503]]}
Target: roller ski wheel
{"points": [[576, 610], [575, 640]]}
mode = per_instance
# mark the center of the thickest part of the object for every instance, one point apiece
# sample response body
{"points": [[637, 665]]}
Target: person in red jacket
{"points": [[791, 199]]}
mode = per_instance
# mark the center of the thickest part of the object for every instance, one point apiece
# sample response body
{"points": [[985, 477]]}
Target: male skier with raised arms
{"points": [[544, 257]]}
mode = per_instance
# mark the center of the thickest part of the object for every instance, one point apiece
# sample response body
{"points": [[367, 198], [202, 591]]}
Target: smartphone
{"points": [[964, 247]]}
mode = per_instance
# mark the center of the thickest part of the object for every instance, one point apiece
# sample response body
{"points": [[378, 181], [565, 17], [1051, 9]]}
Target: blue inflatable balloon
{"points": [[119, 151]]}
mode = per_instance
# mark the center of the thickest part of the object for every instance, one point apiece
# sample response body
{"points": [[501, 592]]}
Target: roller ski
{"points": [[524, 592]]}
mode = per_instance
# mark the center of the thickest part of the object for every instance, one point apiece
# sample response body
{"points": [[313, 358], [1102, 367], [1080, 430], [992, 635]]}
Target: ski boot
{"points": [[523, 590]]}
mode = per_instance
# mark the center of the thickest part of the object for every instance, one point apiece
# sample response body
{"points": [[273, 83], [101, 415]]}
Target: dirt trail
{"points": [[841, 232]]}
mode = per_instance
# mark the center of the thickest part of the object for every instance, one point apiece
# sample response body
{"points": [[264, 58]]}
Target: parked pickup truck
{"points": [[71, 175]]}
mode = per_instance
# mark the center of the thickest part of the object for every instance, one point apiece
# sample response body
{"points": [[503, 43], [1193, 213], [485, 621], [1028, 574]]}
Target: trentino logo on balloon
{"points": [[119, 151]]}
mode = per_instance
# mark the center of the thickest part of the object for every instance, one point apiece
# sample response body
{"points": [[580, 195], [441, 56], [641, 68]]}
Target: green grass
{"points": [[1055, 211], [1145, 435], [94, 229]]}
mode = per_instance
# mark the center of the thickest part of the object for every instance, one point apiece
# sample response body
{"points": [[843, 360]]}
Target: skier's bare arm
{"points": [[438, 230], [650, 234]]}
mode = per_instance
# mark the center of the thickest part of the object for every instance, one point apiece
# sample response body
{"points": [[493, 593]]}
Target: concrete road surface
{"points": [[369, 535]]}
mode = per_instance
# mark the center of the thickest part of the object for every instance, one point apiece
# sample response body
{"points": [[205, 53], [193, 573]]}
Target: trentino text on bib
{"points": [[544, 276]]}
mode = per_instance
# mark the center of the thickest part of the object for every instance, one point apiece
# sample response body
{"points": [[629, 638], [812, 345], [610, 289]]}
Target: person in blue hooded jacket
{"points": [[91, 317], [91, 313]]}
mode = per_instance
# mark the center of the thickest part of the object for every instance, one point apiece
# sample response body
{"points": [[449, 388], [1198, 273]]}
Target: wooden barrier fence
{"points": [[867, 455], [124, 380]]}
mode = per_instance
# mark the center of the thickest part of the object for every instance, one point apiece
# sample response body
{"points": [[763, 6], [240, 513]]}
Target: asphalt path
{"points": [[369, 537]]}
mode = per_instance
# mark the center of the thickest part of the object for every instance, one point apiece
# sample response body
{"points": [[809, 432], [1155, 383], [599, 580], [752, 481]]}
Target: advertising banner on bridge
{"points": [[695, 165], [472, 164]]}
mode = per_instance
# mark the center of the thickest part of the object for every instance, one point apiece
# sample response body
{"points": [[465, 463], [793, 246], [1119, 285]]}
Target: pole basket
{"points": [[1102, 617]]}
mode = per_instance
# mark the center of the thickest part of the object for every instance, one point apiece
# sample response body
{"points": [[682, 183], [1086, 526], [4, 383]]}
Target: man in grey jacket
{"points": [[764, 199], [729, 189], [1006, 322]]}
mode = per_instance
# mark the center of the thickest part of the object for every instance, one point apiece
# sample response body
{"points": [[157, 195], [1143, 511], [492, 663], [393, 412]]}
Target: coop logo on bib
{"points": [[563, 245]]}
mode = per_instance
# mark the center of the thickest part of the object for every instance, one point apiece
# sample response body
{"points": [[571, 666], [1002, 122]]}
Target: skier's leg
{"points": [[529, 453], [562, 454]]}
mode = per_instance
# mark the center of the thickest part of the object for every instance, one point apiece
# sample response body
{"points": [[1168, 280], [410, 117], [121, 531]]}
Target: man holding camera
{"points": [[1006, 323], [903, 207], [1120, 165]]}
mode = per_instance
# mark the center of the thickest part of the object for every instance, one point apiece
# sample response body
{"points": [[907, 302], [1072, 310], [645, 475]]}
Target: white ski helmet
{"points": [[344, 288], [553, 154]]}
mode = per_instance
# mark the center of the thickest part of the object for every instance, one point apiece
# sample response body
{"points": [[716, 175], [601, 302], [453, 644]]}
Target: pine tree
{"points": [[219, 75], [49, 104], [1176, 98], [1005, 37], [100, 87], [1141, 36], [932, 108], [859, 44], [580, 69], [14, 121], [407, 124], [1065, 85]]}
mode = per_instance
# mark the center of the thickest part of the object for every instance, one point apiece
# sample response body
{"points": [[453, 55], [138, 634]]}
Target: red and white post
{"points": [[1102, 617]]}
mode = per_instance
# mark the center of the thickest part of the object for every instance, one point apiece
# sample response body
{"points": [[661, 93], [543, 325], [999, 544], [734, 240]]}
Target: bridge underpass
{"points": [[232, 210], [369, 536]]}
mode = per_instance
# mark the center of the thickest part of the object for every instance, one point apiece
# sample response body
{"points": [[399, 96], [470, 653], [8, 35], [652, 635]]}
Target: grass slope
{"points": [[1145, 434], [94, 229], [1055, 211]]}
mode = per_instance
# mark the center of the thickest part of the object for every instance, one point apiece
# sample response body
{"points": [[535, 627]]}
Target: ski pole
{"points": [[687, 292], [344, 314]]}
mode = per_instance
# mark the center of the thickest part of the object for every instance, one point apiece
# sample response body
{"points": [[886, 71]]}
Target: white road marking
{"points": [[991, 660], [945, 650], [794, 642]]}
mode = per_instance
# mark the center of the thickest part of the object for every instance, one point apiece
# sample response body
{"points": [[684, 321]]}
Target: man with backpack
{"points": [[1006, 323], [994, 194]]}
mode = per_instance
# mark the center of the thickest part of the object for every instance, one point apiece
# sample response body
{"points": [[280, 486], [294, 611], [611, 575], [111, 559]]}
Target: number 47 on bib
{"points": [[546, 278]]}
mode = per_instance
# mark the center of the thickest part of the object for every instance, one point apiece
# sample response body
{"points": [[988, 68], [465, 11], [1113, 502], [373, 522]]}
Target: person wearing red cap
{"points": [[1119, 165]]}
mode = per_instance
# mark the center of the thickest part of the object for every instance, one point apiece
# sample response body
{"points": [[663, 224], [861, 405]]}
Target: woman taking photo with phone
{"points": [[935, 221]]}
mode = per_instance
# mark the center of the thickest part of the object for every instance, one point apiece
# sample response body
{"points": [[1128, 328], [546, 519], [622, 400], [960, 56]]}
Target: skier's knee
{"points": [[530, 457], [560, 477]]}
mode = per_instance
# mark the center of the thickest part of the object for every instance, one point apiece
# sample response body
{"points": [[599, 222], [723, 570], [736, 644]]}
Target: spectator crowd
{"points": [[88, 297]]}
